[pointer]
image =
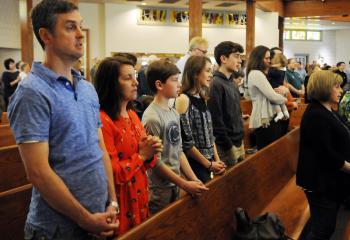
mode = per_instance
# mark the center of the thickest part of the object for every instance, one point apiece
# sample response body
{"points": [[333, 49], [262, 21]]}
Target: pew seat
{"points": [[291, 207], [263, 182]]}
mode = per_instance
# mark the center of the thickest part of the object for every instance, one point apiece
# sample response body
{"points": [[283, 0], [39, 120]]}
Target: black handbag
{"points": [[265, 227]]}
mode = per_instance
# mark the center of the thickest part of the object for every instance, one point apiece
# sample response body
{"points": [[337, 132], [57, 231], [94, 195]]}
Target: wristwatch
{"points": [[115, 205]]}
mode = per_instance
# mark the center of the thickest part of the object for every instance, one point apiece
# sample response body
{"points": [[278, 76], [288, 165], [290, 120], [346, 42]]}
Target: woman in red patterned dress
{"points": [[130, 149]]}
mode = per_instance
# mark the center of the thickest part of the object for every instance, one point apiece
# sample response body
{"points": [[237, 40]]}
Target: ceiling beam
{"points": [[316, 8], [27, 50], [336, 18], [271, 6], [250, 30], [195, 22]]}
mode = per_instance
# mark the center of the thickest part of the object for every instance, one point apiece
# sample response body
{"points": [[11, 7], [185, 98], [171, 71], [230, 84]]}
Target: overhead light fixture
{"points": [[143, 3], [333, 23]]}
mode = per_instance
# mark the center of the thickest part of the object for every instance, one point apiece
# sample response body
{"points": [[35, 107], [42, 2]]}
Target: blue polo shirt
{"points": [[46, 107], [294, 79]]}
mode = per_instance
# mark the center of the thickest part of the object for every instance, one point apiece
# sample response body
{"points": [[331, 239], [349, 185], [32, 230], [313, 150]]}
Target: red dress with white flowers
{"points": [[122, 138]]}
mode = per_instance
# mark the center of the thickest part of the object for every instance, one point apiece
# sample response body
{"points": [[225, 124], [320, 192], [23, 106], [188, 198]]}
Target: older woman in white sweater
{"points": [[262, 95]]}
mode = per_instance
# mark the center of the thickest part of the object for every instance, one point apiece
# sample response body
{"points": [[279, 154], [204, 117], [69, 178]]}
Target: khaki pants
{"points": [[159, 198], [232, 156]]}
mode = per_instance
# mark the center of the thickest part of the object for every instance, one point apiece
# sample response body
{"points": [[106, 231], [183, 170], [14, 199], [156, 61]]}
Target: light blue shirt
{"points": [[181, 65], [46, 107]]}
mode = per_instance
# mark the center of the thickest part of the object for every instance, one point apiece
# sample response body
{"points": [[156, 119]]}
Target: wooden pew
{"points": [[6, 136], [263, 182], [4, 119], [14, 206], [11, 168], [296, 115], [246, 106], [15, 194], [246, 138]]}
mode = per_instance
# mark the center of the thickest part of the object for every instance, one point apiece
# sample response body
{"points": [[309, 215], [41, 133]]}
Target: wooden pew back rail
{"points": [[263, 182]]}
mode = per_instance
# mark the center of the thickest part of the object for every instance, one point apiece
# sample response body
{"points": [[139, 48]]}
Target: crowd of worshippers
{"points": [[172, 126]]}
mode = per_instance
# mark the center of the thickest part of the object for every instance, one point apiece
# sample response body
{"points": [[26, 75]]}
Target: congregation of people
{"points": [[104, 156]]}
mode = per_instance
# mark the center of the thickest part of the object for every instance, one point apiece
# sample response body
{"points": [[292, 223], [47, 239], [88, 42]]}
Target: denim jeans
{"points": [[77, 234], [323, 211]]}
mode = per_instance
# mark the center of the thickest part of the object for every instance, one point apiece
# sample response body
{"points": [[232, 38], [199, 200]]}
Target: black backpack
{"points": [[265, 227]]}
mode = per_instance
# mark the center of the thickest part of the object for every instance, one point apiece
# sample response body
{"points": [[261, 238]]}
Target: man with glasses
{"points": [[198, 47]]}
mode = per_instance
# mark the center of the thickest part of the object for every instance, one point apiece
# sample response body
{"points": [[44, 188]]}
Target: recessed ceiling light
{"points": [[143, 3]]}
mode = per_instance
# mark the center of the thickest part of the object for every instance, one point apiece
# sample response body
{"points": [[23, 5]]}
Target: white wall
{"points": [[124, 35], [114, 28], [10, 32], [266, 29], [325, 48], [94, 20], [38, 53], [343, 46]]}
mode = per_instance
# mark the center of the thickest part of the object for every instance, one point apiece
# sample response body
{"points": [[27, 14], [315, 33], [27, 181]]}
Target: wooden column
{"points": [[195, 25], [25, 6], [281, 30], [250, 30]]}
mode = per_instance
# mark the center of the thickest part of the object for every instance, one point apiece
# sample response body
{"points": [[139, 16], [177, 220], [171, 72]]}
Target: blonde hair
{"points": [[196, 41], [321, 84], [279, 59]]}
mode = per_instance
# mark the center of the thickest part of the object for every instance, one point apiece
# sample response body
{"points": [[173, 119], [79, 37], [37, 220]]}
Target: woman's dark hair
{"points": [[129, 56], [193, 67], [107, 85], [7, 63], [44, 15], [256, 59]]}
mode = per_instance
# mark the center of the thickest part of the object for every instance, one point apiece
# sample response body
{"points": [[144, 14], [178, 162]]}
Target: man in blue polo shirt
{"points": [[54, 115]]}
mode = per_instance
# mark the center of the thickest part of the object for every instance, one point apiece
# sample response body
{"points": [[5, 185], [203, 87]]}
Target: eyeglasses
{"points": [[203, 51]]}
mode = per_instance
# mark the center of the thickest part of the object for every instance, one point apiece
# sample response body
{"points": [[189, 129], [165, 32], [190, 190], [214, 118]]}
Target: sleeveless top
{"points": [[196, 127]]}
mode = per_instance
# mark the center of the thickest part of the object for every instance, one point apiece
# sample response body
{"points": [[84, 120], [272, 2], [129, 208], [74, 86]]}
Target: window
{"points": [[316, 36], [302, 35], [286, 35], [298, 35]]}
